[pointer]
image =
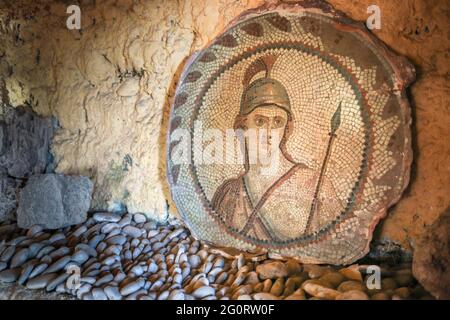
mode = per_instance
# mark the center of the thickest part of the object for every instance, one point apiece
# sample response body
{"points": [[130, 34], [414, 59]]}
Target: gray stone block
{"points": [[54, 201]]}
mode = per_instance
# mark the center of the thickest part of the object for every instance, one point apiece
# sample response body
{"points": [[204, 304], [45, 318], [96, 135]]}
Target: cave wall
{"points": [[110, 85]]}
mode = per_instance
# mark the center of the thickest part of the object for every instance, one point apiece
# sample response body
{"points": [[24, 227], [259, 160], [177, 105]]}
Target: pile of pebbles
{"points": [[129, 257]]}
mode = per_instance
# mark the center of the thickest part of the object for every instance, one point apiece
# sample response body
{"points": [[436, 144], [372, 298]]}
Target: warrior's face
{"points": [[269, 122]]}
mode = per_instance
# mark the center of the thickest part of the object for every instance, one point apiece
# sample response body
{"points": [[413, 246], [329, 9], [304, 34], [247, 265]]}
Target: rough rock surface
{"points": [[8, 200], [431, 262], [24, 150], [110, 85], [54, 201], [24, 141]]}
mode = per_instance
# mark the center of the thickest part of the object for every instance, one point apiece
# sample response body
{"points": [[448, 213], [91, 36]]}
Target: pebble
{"points": [[57, 281], [157, 246], [34, 248], [112, 293], [176, 295], [94, 265], [152, 267], [278, 287], [203, 291], [79, 231], [56, 237], [8, 253], [152, 233], [132, 231], [86, 248], [101, 246], [58, 253], [264, 296], [113, 249], [293, 267], [106, 217], [38, 270], [352, 295], [41, 281], [267, 285], [194, 261], [84, 289], [163, 295], [206, 267], [320, 291], [88, 296], [380, 296], [80, 256], [136, 253], [314, 271], [119, 239], [388, 283], [137, 270], [351, 285], [10, 275], [90, 280], [108, 261], [403, 278], [99, 294], [272, 270], [58, 265], [19, 258], [46, 259], [333, 278], [132, 287], [95, 240], [134, 242], [44, 251], [107, 228], [403, 292], [222, 277], [18, 240], [352, 273], [128, 255], [104, 280], [25, 274], [136, 295], [114, 232], [174, 233], [299, 294], [151, 225], [126, 220], [139, 218], [34, 230]]}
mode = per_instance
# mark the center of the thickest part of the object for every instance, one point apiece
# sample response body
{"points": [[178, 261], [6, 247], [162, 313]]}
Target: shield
{"points": [[333, 93]]}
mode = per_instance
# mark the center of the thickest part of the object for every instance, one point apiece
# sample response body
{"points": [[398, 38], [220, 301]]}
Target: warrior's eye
{"points": [[278, 122], [259, 121]]}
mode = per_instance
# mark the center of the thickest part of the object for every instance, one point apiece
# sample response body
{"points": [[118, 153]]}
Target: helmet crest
{"points": [[263, 91]]}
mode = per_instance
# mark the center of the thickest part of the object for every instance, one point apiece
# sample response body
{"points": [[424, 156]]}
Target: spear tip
{"points": [[336, 119]]}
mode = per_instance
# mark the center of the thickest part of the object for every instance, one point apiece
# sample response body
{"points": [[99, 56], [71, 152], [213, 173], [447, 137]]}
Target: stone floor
{"points": [[113, 257], [14, 291]]}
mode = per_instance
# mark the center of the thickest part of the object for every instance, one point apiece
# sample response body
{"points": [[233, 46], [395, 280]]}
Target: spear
{"points": [[335, 123]]}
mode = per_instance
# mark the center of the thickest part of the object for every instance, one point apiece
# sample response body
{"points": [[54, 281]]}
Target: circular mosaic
{"points": [[290, 133]]}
